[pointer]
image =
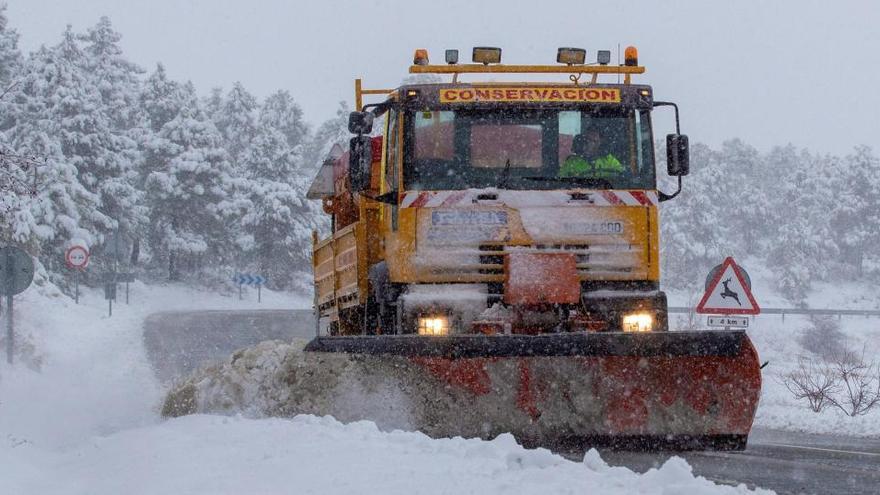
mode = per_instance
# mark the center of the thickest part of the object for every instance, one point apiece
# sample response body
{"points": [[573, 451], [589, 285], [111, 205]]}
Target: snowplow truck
{"points": [[501, 238]]}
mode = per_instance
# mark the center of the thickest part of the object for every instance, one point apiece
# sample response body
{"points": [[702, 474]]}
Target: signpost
{"points": [[110, 280], [247, 279], [728, 292], [16, 275], [110, 295], [77, 258], [127, 278]]}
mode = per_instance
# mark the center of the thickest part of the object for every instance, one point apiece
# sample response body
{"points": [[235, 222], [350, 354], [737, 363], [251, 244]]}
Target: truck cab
{"points": [[498, 208]]}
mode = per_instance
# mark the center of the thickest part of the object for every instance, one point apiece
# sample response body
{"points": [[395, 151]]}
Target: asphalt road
{"points": [[180, 342], [789, 463]]}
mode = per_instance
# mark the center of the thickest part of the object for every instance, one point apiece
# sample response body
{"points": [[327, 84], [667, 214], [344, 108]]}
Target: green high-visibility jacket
{"points": [[602, 167]]}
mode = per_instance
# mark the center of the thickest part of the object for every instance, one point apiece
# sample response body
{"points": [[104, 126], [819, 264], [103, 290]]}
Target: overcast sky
{"points": [[770, 73]]}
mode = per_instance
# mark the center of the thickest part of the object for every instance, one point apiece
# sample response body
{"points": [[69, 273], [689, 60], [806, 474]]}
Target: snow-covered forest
{"points": [[805, 216], [197, 187]]}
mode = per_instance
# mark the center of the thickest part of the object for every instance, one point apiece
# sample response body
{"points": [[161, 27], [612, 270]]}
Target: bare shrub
{"points": [[859, 383], [844, 380], [812, 381]]}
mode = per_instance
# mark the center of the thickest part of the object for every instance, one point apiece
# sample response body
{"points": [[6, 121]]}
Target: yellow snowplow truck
{"points": [[503, 238]]}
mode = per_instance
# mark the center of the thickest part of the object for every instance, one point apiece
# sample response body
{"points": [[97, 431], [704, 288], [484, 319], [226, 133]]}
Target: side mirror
{"points": [[360, 122], [359, 161], [678, 161]]}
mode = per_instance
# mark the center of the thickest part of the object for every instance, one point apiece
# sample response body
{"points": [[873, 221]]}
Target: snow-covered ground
{"points": [[218, 455], [778, 341], [87, 423]]}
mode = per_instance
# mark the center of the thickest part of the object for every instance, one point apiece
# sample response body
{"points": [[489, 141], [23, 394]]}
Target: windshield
{"points": [[529, 149]]}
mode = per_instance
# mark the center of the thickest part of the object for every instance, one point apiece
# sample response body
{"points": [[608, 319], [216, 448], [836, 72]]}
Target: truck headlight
{"points": [[433, 325], [638, 322]]}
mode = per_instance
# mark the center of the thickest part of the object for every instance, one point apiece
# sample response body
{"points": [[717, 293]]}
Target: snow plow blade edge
{"points": [[664, 390]]}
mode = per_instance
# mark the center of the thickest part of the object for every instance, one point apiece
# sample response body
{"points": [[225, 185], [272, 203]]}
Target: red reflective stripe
{"points": [[612, 198], [641, 197], [453, 199], [421, 200]]}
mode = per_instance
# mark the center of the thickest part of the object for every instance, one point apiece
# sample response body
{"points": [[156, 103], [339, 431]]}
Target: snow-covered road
{"points": [[786, 462]]}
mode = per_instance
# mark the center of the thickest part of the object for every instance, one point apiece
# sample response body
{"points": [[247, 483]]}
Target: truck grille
{"points": [[596, 260]]}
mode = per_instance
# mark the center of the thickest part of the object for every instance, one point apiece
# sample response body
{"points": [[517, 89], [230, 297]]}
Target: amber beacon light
{"points": [[631, 56], [421, 57]]}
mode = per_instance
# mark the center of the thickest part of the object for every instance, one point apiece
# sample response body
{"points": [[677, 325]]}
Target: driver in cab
{"points": [[590, 158]]}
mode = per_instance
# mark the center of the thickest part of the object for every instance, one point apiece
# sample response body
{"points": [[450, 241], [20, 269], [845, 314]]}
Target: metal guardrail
{"points": [[799, 311]]}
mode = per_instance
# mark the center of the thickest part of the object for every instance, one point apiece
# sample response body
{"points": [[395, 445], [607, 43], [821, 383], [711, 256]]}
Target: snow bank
{"points": [[308, 454], [83, 373]]}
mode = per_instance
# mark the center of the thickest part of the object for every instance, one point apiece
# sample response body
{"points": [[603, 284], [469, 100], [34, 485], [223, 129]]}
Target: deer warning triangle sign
{"points": [[728, 293]]}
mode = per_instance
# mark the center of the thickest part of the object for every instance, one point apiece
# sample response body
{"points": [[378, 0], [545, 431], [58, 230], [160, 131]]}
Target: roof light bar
{"points": [[571, 56], [486, 55]]}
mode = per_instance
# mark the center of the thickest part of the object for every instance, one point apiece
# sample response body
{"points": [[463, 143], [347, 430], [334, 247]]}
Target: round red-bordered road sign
{"points": [[77, 257]]}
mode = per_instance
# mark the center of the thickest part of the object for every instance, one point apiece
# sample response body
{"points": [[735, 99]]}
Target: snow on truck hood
{"points": [[491, 215], [463, 227]]}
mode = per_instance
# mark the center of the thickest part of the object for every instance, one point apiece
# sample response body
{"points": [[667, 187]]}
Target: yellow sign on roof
{"points": [[529, 94]]}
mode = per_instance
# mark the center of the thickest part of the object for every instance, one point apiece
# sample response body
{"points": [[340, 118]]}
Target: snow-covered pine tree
{"points": [[213, 105], [279, 220], [18, 186], [332, 131], [803, 242], [280, 112], [857, 216], [10, 56], [15, 181], [117, 79], [742, 200], [160, 101], [237, 122], [54, 110], [186, 192], [117, 82]]}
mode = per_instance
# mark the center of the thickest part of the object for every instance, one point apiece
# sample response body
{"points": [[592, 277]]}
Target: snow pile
{"points": [[208, 454]]}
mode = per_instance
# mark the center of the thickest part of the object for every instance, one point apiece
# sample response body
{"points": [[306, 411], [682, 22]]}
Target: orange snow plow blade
{"points": [[678, 390]]}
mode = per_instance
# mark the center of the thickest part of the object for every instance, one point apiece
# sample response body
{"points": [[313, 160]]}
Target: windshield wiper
{"points": [[580, 181], [502, 184]]}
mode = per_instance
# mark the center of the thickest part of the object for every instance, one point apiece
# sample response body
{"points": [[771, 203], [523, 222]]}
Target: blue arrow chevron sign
{"points": [[248, 279]]}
